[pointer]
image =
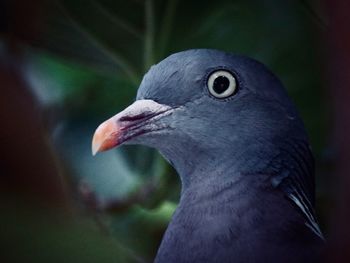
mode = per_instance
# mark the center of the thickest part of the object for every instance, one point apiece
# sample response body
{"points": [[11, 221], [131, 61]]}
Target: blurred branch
{"points": [[97, 212], [149, 34], [117, 58], [118, 21], [165, 30], [139, 196], [314, 14]]}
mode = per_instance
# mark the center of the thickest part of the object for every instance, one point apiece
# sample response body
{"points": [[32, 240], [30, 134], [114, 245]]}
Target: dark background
{"points": [[65, 66]]}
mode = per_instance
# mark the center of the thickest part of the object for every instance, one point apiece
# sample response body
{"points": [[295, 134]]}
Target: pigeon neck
{"points": [[290, 161], [223, 166]]}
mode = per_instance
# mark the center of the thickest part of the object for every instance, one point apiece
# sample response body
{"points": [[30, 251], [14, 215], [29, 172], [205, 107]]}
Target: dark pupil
{"points": [[221, 84]]}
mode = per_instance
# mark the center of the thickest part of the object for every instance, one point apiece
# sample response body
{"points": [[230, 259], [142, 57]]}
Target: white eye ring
{"points": [[221, 84]]}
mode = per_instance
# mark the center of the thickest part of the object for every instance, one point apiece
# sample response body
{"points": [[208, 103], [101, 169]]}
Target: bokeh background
{"points": [[67, 65]]}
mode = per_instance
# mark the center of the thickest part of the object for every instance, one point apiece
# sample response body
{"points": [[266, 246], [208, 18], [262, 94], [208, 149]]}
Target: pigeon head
{"points": [[205, 110], [228, 127]]}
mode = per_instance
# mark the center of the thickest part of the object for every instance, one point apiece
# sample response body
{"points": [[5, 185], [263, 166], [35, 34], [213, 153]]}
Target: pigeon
{"points": [[228, 127]]}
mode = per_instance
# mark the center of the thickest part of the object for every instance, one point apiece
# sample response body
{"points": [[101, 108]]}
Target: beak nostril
{"points": [[137, 117]]}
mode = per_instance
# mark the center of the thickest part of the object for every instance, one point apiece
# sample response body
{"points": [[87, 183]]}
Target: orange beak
{"points": [[106, 136]]}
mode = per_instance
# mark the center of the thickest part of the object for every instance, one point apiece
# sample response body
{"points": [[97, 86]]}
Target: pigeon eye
{"points": [[221, 84]]}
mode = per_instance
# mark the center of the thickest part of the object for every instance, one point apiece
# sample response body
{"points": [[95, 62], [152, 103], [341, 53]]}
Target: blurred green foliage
{"points": [[86, 66]]}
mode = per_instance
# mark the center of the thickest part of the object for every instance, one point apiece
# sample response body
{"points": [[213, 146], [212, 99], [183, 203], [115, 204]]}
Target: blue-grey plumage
{"points": [[244, 160]]}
